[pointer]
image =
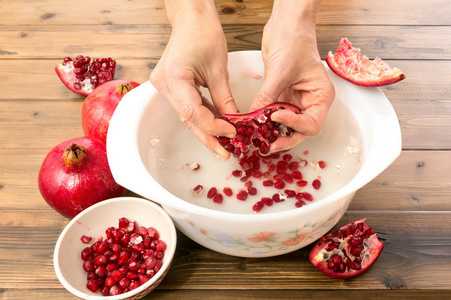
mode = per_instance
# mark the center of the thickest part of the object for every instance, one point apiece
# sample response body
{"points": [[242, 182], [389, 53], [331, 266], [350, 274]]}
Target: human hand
{"points": [[196, 55], [294, 72]]}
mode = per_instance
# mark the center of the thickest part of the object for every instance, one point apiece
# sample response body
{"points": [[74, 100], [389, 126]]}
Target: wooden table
{"points": [[409, 204]]}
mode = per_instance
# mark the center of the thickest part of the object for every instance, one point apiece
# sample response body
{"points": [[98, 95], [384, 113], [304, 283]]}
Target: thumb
{"points": [[221, 95], [269, 93]]}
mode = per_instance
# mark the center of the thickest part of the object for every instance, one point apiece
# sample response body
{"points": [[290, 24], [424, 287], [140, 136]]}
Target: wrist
{"points": [[180, 12], [296, 12]]}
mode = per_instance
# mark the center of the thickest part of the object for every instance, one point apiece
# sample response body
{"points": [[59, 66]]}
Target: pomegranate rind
{"points": [[67, 77], [316, 255], [347, 63], [248, 122]]}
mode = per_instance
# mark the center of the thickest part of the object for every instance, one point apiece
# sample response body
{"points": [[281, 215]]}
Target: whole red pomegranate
{"points": [[99, 106], [75, 175]]}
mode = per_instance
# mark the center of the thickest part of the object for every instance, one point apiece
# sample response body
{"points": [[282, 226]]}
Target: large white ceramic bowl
{"points": [[148, 150]]}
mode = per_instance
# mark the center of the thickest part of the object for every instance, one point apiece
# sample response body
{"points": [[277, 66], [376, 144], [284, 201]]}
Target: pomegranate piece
{"points": [[347, 251], [82, 75], [347, 63], [257, 129]]}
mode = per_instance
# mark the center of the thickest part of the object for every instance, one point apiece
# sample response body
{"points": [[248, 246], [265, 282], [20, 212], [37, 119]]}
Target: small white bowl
{"points": [[93, 222], [148, 148]]}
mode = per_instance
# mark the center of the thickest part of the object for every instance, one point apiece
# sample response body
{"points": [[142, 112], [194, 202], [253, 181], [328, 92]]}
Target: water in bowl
{"points": [[169, 159]]}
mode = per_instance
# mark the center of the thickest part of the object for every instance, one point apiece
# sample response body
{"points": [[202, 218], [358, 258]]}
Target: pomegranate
{"points": [[348, 251], [75, 175], [82, 75], [256, 128], [99, 106], [128, 257], [347, 63]]}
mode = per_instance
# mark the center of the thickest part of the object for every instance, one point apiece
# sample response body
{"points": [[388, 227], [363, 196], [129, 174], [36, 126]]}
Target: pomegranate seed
{"points": [[279, 184], [299, 203], [88, 266], [293, 166], [282, 165], [109, 282], [290, 193], [237, 173], [123, 222], [218, 198], [242, 195], [115, 290], [322, 164], [142, 231], [228, 191], [287, 157], [153, 233], [248, 184], [86, 239], [102, 247], [258, 206], [100, 260], [307, 196], [131, 228], [86, 253], [212, 192], [296, 175], [276, 198], [252, 191], [316, 184], [301, 183], [267, 201], [197, 190], [124, 283], [93, 285], [133, 285], [288, 178], [268, 183]]}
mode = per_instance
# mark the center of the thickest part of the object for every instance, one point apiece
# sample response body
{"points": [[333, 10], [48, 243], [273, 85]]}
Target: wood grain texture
{"points": [[407, 204], [363, 12], [149, 41]]}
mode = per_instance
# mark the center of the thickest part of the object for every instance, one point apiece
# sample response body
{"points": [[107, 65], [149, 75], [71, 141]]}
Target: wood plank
{"points": [[423, 81], [416, 181], [405, 12], [406, 260], [149, 41]]}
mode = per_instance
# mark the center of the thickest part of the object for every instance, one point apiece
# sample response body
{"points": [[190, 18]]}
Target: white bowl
{"points": [[148, 147], [93, 222]]}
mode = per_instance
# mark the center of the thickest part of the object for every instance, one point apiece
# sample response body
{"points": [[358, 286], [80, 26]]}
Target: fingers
{"points": [[269, 93], [218, 85]]}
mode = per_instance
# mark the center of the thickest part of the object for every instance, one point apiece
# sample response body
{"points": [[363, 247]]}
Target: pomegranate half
{"points": [[347, 251], [347, 63], [257, 129], [99, 106], [75, 175]]}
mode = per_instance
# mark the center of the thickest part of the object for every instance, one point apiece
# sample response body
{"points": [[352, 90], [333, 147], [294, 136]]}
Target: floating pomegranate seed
{"points": [[267, 201], [228, 191], [287, 157], [290, 193], [276, 198], [197, 190], [258, 206], [316, 184], [307, 196], [296, 175], [293, 166], [279, 184], [301, 183], [299, 203], [237, 173], [123, 222], [212, 192], [218, 198], [86, 239], [242, 195], [252, 191], [268, 183], [322, 164], [287, 178]]}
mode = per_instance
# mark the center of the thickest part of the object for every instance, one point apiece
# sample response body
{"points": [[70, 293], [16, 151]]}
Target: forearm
{"points": [[296, 13], [181, 11]]}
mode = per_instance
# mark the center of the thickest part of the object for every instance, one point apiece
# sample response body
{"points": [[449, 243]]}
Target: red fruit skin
{"points": [[316, 255], [68, 78], [99, 106], [398, 76], [70, 191]]}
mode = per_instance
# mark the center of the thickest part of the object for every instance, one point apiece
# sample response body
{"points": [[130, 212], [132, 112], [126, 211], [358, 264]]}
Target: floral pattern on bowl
{"points": [[266, 242]]}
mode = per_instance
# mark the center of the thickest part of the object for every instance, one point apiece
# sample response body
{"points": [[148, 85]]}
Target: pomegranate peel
{"points": [[99, 106], [347, 63], [82, 75], [256, 128], [347, 251]]}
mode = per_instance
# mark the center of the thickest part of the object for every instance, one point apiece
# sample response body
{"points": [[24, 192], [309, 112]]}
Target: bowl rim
{"points": [[170, 251], [119, 135]]}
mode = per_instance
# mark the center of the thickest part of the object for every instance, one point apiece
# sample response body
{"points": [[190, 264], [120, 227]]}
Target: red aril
{"points": [[347, 63], [99, 106], [257, 129], [348, 251], [75, 175], [82, 75]]}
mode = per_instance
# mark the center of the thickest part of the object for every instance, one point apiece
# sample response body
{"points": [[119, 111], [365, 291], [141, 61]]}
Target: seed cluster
{"points": [[128, 258], [97, 72], [254, 129], [279, 171]]}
